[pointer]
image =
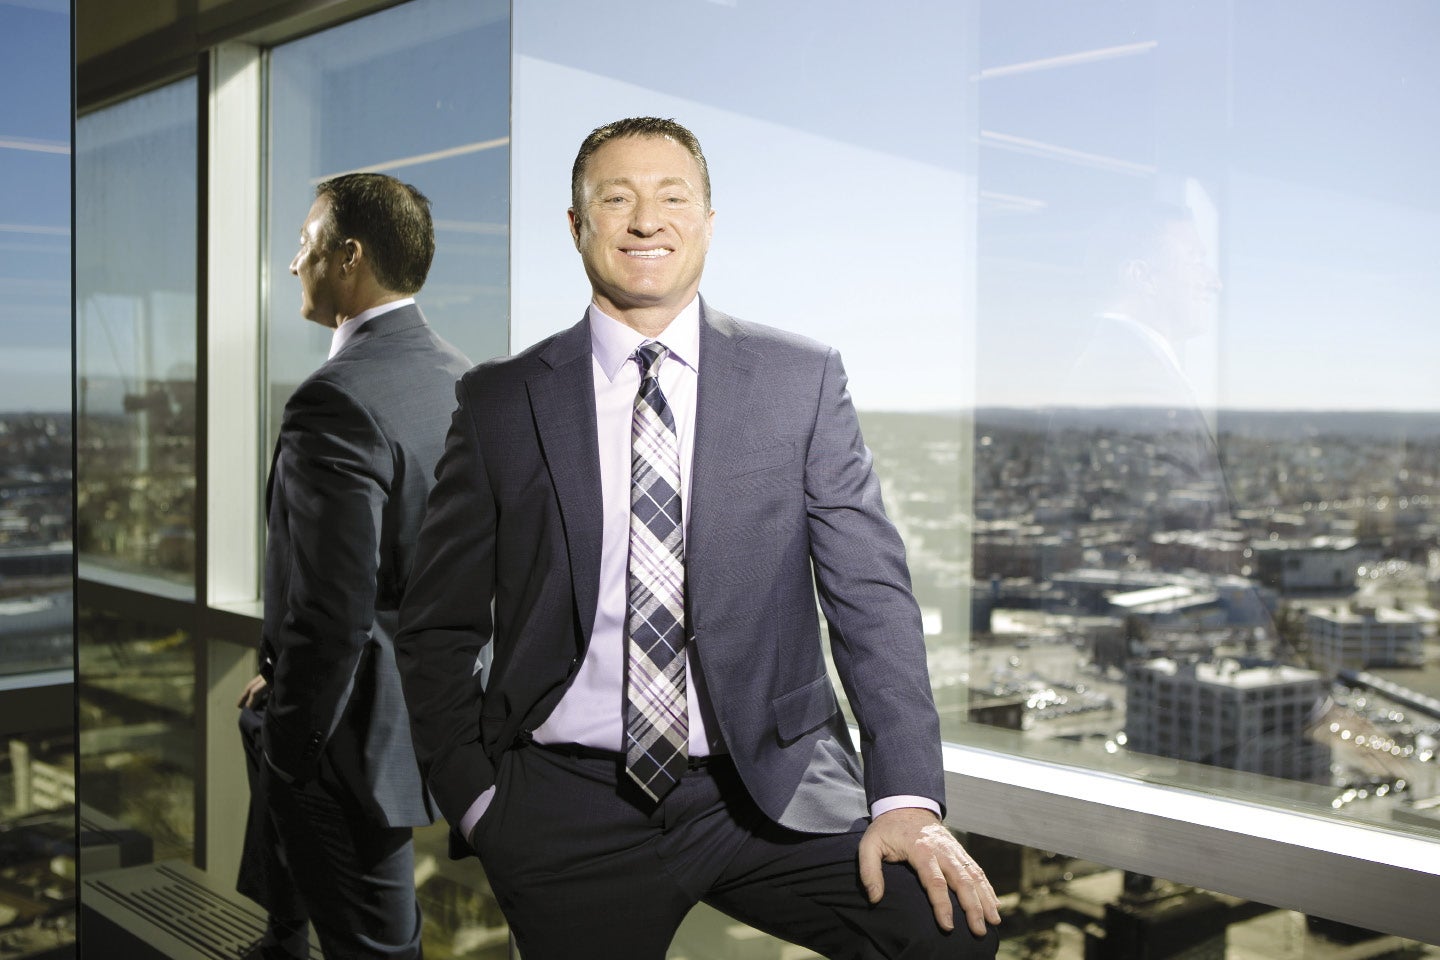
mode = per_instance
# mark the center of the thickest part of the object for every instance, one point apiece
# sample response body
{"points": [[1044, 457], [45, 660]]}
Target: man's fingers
{"points": [[979, 903], [940, 863], [932, 878], [250, 695], [872, 877], [972, 888]]}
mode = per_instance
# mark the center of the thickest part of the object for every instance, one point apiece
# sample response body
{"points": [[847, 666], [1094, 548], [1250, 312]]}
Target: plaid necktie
{"points": [[656, 723]]}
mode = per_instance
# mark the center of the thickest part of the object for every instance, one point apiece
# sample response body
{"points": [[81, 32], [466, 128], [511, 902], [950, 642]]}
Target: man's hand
{"points": [[254, 694], [917, 837]]}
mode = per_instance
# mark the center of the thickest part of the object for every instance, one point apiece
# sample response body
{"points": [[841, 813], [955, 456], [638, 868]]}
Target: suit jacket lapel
{"points": [[562, 398], [723, 400]]}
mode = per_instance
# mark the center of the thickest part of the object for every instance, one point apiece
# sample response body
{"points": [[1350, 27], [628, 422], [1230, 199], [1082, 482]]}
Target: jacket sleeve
{"points": [[863, 584], [446, 620], [331, 481]]}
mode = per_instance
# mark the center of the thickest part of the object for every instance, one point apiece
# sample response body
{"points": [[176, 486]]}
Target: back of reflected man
{"points": [[335, 787], [634, 515]]}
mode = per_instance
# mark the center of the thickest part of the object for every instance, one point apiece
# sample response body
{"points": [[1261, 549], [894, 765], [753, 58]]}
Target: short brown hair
{"points": [[635, 127], [391, 220]]}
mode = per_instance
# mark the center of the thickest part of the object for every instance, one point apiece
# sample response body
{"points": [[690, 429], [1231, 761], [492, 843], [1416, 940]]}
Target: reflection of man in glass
{"points": [[1133, 461], [630, 512], [335, 788], [1159, 294]]}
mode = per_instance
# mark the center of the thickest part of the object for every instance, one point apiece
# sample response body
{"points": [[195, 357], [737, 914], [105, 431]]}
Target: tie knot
{"points": [[650, 355]]}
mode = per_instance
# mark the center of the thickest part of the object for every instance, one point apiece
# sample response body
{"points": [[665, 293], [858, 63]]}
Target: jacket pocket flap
{"points": [[763, 458], [805, 708]]}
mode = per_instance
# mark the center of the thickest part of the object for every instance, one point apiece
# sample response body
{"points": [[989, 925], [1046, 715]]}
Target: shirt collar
{"points": [[613, 343], [346, 331]]}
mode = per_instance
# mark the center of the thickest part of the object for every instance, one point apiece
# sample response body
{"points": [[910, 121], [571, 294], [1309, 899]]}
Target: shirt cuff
{"points": [[886, 804], [476, 811]]}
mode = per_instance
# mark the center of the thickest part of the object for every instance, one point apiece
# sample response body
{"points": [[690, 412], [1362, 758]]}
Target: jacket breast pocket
{"points": [[804, 709], [760, 459]]}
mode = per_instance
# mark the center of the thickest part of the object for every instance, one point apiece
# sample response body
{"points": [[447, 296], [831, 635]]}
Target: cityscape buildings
{"points": [[1253, 719], [1357, 638]]}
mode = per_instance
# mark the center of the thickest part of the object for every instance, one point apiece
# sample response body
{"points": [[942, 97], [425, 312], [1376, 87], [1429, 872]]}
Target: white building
{"points": [[1251, 719], [1317, 564], [1343, 638]]}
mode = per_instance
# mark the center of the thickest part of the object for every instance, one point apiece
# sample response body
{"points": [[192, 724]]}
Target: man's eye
{"points": [[614, 201]]}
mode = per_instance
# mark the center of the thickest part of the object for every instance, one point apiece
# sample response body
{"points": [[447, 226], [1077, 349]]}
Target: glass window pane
{"points": [[842, 214], [1203, 434], [808, 204], [135, 295], [421, 93], [36, 596], [137, 728], [1065, 908], [36, 531], [461, 915], [1206, 442], [37, 745]]}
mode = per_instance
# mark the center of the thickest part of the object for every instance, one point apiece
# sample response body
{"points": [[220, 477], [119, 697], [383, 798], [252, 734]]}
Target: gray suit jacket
{"points": [[781, 487], [351, 473]]}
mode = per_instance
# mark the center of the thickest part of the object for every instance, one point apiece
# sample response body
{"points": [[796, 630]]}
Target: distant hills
{"points": [[1260, 424]]}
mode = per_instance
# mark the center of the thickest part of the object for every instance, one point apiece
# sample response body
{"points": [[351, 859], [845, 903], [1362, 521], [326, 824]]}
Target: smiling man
{"points": [[630, 513]]}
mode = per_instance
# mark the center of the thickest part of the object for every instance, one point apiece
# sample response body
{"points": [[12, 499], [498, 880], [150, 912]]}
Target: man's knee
{"points": [[914, 926], [957, 944]]}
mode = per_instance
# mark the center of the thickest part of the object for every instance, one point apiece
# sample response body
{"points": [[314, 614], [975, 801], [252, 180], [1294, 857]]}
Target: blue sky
{"points": [[928, 211], [1315, 130], [941, 196], [35, 206]]}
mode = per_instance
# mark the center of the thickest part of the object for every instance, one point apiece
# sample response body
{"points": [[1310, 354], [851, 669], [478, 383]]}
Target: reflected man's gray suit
{"points": [[348, 485]]}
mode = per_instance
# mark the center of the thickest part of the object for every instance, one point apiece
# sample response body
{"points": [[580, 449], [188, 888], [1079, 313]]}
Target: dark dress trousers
{"points": [[783, 501], [348, 486]]}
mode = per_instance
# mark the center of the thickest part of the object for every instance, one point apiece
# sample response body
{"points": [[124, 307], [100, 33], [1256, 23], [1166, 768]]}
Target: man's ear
{"points": [[1139, 275], [574, 220], [354, 254]]}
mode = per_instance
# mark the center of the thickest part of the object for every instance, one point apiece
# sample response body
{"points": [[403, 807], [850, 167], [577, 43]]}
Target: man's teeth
{"points": [[647, 254]]}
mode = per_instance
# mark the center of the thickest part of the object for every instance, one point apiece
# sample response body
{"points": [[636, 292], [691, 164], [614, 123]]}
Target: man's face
{"points": [[643, 227], [1190, 288], [318, 268]]}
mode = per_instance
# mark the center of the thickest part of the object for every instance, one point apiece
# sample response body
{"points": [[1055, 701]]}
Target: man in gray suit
{"points": [[335, 785], [629, 513]]}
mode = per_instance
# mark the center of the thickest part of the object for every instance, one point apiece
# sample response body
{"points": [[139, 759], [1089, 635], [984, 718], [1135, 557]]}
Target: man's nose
{"points": [[295, 265], [645, 219]]}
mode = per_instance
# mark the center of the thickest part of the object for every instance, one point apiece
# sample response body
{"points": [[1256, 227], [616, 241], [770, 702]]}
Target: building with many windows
{"points": [[1358, 638], [1252, 719]]}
